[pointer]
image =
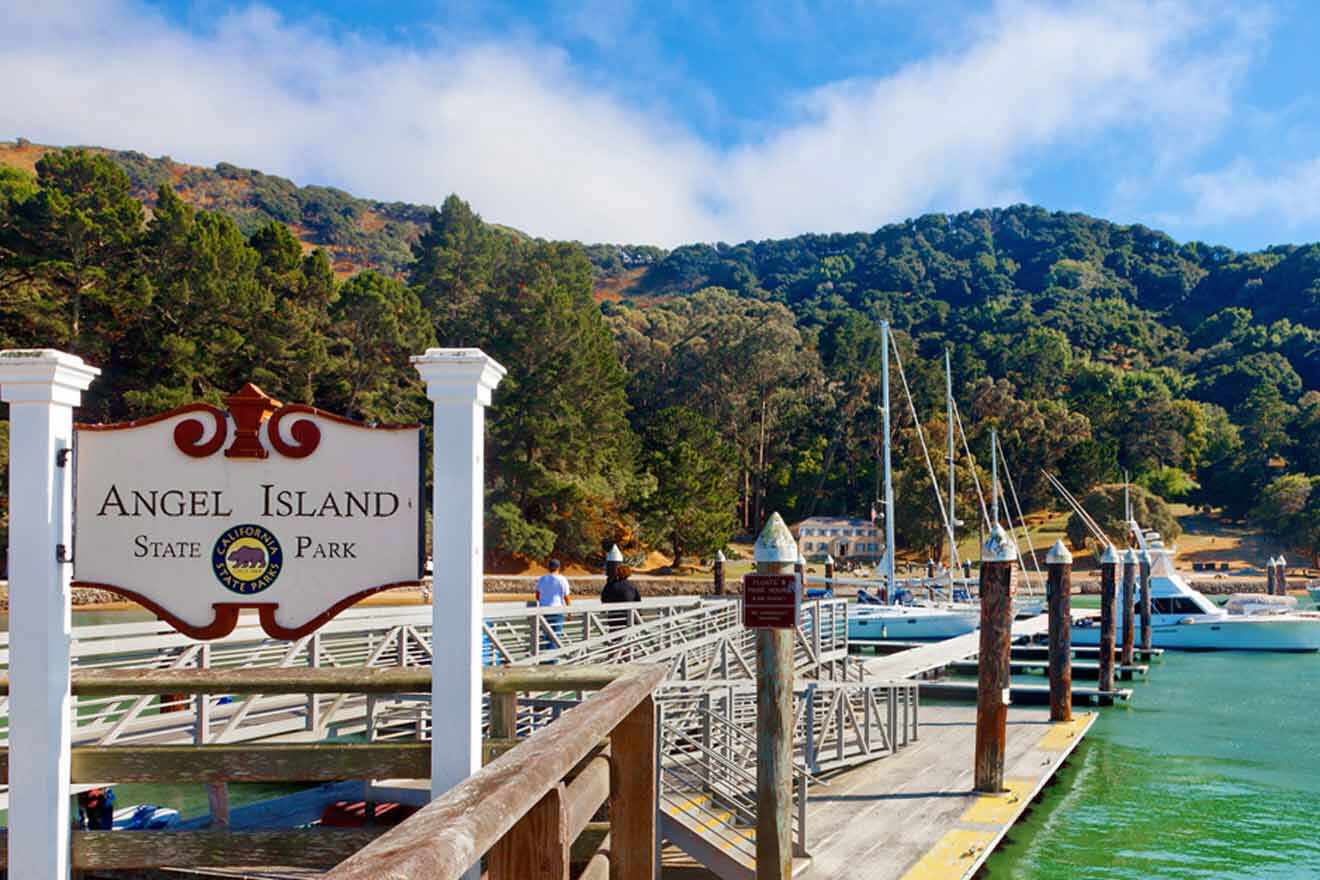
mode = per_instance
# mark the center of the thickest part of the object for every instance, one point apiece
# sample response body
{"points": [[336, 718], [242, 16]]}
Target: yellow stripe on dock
{"points": [[952, 856], [1063, 734], [1000, 809]]}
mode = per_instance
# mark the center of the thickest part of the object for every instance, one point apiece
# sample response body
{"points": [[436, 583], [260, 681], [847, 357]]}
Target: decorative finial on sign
{"points": [[1059, 554], [776, 542], [249, 407], [999, 547]]}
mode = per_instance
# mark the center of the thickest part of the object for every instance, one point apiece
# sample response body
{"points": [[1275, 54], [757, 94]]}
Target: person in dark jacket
{"points": [[620, 590]]}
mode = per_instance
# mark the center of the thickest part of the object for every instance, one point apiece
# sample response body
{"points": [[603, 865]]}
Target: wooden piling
{"points": [[1059, 592], [829, 572], [717, 571], [1130, 566], [997, 559], [1109, 563], [1145, 600], [1271, 578], [1281, 575], [775, 553]]}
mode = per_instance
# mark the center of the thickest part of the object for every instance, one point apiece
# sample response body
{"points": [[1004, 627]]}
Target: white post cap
{"points": [[1281, 562], [829, 560], [1145, 556], [776, 542], [1058, 555], [719, 555], [459, 373], [1129, 556], [41, 375], [999, 547], [614, 555], [1110, 556]]}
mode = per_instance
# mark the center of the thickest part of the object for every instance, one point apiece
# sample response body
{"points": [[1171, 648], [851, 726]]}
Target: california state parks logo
{"points": [[247, 559]]}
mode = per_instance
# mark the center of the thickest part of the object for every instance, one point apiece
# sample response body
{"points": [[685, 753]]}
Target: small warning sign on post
{"points": [[771, 601]]}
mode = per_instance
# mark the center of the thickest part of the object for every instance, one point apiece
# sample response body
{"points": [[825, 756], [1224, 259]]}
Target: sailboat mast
{"points": [[948, 418], [889, 474]]}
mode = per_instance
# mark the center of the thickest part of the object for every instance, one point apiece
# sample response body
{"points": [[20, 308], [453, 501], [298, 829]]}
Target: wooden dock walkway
{"points": [[914, 816]]}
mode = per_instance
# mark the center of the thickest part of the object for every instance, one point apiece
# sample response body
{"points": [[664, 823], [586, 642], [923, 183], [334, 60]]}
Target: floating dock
{"points": [[915, 817]]}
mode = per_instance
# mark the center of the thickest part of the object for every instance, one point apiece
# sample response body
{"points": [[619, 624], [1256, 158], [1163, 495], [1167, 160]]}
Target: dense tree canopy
{"points": [[700, 388]]}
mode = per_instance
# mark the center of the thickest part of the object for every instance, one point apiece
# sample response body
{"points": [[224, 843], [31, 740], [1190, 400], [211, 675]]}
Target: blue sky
{"points": [[627, 121]]}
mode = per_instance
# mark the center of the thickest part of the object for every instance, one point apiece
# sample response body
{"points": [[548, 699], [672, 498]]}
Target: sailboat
{"points": [[893, 621]]}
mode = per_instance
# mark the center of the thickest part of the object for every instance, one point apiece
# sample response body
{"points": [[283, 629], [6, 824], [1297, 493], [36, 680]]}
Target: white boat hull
{"points": [[909, 623], [1282, 632]]}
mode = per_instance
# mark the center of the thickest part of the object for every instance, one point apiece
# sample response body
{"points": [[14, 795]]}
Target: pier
{"points": [[915, 816]]}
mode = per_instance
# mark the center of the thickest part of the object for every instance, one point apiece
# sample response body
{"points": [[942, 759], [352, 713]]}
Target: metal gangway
{"points": [[706, 710]]}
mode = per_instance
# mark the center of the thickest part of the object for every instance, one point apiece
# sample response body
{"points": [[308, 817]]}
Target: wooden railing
{"points": [[520, 810], [520, 792]]}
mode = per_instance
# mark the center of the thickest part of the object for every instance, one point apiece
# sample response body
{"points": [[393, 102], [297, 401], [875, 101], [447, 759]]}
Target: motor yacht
{"points": [[1183, 618]]}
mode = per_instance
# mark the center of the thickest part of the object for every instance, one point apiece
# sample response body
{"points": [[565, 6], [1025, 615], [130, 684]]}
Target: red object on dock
{"points": [[353, 814]]}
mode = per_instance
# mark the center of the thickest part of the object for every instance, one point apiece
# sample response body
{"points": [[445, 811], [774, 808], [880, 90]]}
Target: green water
{"points": [[1212, 771]]}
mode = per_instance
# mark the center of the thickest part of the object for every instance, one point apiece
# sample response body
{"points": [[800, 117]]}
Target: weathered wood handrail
{"points": [[326, 680], [449, 835]]}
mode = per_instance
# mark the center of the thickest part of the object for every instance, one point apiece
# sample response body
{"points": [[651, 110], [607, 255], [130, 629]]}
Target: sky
{"points": [[667, 123]]}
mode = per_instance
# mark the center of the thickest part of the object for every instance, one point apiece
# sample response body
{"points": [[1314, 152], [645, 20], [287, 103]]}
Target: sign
{"points": [[770, 601], [198, 513]]}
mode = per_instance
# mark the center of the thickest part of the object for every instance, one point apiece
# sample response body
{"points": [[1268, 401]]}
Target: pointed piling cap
{"points": [[1110, 556], [1058, 554], [614, 555], [1129, 556], [776, 542], [1145, 557], [999, 547], [829, 560], [1281, 562], [719, 555]]}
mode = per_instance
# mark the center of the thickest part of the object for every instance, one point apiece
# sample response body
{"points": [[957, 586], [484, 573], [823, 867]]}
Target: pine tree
{"points": [[377, 325]]}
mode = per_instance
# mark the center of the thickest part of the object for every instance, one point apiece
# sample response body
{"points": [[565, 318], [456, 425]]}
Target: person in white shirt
{"points": [[553, 589]]}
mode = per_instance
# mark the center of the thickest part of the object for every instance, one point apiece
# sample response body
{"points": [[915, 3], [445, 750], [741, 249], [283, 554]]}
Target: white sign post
{"points": [[459, 382], [41, 387]]}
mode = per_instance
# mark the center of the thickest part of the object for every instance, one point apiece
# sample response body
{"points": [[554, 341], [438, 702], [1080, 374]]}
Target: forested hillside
{"points": [[715, 383], [355, 233]]}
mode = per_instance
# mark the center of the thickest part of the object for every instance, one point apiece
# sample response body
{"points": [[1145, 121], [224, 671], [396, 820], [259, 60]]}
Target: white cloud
{"points": [[1288, 197], [534, 142]]}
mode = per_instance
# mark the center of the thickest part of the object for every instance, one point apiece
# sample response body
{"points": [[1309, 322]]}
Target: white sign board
{"points": [[199, 513]]}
